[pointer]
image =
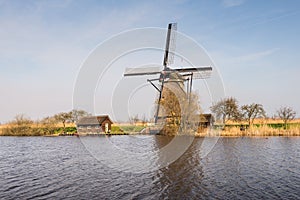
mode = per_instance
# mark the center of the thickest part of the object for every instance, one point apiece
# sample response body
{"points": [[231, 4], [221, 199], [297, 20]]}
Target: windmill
{"points": [[176, 76]]}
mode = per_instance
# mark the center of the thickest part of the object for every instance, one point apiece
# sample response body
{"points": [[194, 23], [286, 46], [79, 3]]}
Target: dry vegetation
{"points": [[261, 128], [62, 123], [35, 129], [177, 109]]}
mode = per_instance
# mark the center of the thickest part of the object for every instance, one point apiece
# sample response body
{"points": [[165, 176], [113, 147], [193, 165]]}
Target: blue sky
{"points": [[255, 45]]}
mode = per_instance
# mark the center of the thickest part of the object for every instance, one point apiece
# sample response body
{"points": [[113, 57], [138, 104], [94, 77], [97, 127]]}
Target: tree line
{"points": [[22, 125], [227, 109]]}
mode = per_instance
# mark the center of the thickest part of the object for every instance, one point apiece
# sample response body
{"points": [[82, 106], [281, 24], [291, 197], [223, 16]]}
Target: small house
{"points": [[94, 125]]}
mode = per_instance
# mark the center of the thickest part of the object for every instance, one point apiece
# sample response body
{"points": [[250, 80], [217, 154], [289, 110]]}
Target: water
{"points": [[236, 168]]}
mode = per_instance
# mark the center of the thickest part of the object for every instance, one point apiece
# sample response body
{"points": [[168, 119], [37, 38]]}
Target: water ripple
{"points": [[236, 168]]}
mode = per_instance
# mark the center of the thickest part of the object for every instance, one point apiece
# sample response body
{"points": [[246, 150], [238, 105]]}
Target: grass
{"points": [[116, 130], [34, 130], [253, 131], [259, 129], [132, 128]]}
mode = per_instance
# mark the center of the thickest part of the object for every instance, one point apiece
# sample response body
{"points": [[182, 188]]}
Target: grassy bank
{"points": [[230, 130], [132, 128], [56, 129], [34, 130], [253, 131]]}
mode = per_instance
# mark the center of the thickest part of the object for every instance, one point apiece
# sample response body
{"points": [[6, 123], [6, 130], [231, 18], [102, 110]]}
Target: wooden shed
{"points": [[205, 120], [94, 125]]}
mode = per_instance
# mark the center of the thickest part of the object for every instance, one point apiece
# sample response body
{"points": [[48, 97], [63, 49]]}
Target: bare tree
{"points": [[63, 117], [144, 120], [179, 112], [77, 114], [227, 109], [49, 125], [134, 119], [20, 125], [252, 111], [21, 120], [286, 114]]}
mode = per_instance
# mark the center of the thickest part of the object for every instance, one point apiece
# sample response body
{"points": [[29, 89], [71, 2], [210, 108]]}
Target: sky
{"points": [[255, 45]]}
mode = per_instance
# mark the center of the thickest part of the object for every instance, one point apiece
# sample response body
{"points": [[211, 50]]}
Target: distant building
{"points": [[205, 121], [94, 125]]}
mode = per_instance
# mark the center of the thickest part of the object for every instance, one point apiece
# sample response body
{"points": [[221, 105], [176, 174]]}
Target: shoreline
{"points": [[230, 130], [135, 134]]}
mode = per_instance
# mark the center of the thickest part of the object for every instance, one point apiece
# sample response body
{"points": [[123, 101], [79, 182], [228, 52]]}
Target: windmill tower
{"points": [[176, 79]]}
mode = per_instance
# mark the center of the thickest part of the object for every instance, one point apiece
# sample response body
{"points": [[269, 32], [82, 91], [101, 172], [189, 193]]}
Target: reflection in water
{"points": [[172, 181], [137, 154], [236, 168]]}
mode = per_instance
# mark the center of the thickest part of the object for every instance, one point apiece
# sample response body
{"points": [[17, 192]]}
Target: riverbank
{"points": [[57, 130], [231, 130], [254, 131], [35, 130]]}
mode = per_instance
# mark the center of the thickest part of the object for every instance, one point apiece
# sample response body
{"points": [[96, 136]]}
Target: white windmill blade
{"points": [[193, 69], [142, 71], [172, 45], [202, 74]]}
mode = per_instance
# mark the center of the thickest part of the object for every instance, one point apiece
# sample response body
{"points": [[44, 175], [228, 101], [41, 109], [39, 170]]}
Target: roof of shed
{"points": [[93, 120]]}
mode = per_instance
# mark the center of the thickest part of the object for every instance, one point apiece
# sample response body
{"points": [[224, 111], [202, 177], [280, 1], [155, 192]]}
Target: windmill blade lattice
{"points": [[142, 71], [172, 45]]}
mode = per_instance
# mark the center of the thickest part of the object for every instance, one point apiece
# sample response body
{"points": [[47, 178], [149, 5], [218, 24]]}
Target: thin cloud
{"points": [[225, 59], [232, 3], [271, 19], [256, 56]]}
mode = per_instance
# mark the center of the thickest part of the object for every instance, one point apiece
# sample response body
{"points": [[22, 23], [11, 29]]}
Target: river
{"points": [[65, 168]]}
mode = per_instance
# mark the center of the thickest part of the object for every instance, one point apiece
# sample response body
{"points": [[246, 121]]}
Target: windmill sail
{"points": [[194, 69], [170, 44], [202, 74], [198, 72], [142, 71]]}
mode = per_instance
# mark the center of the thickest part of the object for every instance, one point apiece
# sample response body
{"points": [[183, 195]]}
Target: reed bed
{"points": [[254, 131]]}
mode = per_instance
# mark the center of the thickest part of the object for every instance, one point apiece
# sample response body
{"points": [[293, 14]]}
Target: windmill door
{"points": [[106, 127]]}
